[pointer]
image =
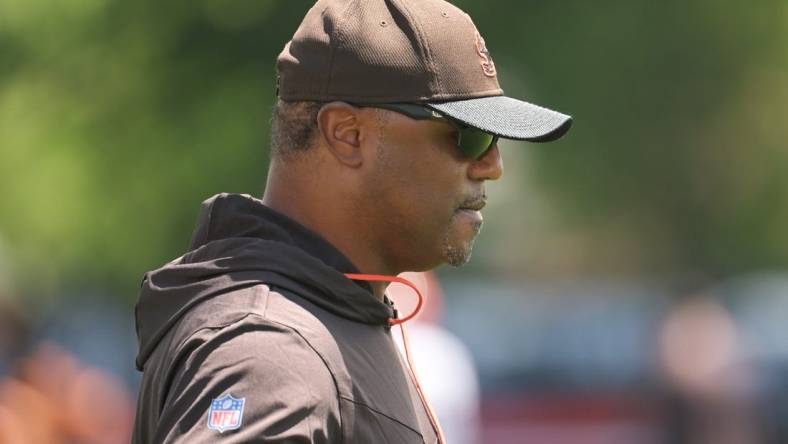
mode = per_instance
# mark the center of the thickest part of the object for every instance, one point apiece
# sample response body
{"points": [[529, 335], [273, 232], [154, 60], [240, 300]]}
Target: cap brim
{"points": [[507, 117]]}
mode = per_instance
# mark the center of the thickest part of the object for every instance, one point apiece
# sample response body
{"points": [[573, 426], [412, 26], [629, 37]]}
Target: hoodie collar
{"points": [[226, 216], [239, 242]]}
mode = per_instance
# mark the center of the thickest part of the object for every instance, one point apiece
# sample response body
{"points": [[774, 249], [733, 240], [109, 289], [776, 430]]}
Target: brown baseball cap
{"points": [[407, 51]]}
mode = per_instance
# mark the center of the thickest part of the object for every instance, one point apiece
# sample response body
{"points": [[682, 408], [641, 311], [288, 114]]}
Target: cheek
{"points": [[419, 183], [426, 193], [412, 205]]}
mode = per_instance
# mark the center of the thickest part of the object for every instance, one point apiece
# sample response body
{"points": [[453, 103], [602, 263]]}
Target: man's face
{"points": [[424, 193]]}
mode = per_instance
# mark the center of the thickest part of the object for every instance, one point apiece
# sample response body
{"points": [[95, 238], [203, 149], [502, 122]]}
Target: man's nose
{"points": [[487, 167]]}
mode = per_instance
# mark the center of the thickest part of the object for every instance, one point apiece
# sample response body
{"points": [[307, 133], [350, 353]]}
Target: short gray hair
{"points": [[293, 127]]}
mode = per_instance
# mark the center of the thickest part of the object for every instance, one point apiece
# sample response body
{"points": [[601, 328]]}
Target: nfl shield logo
{"points": [[226, 413]]}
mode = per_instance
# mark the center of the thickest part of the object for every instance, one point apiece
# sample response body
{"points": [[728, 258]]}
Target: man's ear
{"points": [[342, 129]]}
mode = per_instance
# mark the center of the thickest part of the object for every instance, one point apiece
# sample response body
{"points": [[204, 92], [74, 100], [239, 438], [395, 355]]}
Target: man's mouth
{"points": [[471, 209], [475, 204]]}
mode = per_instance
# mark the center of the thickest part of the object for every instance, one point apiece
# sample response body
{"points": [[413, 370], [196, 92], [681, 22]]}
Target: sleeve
{"points": [[250, 382]]}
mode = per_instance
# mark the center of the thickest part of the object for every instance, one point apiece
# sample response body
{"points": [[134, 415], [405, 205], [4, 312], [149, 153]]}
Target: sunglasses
{"points": [[471, 141]]}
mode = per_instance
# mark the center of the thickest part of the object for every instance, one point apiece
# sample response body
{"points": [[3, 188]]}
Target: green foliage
{"points": [[117, 118], [678, 152]]}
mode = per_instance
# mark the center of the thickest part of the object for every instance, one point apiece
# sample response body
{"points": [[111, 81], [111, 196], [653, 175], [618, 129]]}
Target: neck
{"points": [[287, 193]]}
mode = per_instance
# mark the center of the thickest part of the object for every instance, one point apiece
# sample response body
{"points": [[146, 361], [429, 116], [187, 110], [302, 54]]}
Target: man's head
{"points": [[395, 109], [412, 194]]}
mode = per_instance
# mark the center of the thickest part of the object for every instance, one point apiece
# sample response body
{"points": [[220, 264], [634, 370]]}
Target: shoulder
{"points": [[255, 346], [256, 327], [286, 387], [261, 315]]}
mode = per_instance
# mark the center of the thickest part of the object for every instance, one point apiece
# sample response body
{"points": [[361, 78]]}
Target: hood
{"points": [[239, 242]]}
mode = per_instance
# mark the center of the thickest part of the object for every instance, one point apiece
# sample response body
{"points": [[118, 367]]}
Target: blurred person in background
{"points": [[47, 396], [53, 398], [702, 359], [275, 326]]}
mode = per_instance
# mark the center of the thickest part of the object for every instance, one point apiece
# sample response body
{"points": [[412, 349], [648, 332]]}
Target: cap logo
{"points": [[488, 66]]}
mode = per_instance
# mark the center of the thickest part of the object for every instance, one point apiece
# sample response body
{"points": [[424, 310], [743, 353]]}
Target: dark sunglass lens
{"points": [[474, 143]]}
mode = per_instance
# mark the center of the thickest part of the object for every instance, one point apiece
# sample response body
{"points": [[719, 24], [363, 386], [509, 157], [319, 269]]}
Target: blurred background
{"points": [[630, 282]]}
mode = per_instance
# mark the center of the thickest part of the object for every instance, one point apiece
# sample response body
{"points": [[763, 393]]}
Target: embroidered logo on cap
{"points": [[488, 66], [226, 413]]}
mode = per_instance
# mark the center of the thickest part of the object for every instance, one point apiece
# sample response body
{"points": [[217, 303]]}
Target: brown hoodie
{"points": [[255, 335]]}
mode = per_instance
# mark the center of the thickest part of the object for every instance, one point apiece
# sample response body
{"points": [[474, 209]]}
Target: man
{"points": [[384, 134]]}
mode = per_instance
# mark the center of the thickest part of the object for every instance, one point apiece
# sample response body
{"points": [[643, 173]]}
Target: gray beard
{"points": [[457, 255]]}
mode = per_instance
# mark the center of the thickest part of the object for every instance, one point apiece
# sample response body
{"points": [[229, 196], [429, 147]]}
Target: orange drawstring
{"points": [[430, 412], [380, 278], [406, 343]]}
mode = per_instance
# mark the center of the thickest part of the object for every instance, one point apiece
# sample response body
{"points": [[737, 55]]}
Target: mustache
{"points": [[473, 203]]}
